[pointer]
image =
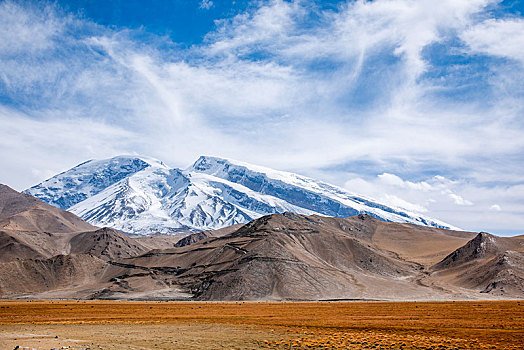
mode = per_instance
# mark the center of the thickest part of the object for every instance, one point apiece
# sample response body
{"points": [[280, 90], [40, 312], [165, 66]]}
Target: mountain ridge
{"points": [[276, 257], [142, 195]]}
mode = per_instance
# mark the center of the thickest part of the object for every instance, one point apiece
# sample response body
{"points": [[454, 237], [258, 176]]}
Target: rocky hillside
{"points": [[276, 257]]}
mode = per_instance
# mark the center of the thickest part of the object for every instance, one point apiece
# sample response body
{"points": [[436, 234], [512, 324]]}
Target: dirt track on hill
{"points": [[251, 325]]}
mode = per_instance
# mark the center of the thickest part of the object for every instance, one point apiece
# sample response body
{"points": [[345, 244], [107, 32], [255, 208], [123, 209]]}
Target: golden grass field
{"points": [[254, 325]]}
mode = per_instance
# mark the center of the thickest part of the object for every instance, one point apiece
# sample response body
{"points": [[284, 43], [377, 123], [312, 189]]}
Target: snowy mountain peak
{"points": [[89, 178], [253, 176], [216, 166], [206, 162], [142, 195], [306, 193]]}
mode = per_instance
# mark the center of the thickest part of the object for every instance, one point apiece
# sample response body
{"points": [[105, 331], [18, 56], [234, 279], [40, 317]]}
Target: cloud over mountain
{"points": [[416, 89]]}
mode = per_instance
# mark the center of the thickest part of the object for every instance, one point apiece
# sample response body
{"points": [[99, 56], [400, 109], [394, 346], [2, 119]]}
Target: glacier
{"points": [[142, 195]]}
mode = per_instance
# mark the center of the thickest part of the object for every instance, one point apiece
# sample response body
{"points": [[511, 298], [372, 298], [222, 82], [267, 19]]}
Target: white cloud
{"points": [[495, 207], [465, 204], [391, 179], [219, 97], [271, 87], [401, 203], [206, 4], [28, 31], [415, 196], [459, 200], [32, 150], [497, 37]]}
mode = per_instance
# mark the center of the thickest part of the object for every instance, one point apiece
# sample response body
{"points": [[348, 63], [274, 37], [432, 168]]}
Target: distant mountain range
{"points": [[142, 195]]}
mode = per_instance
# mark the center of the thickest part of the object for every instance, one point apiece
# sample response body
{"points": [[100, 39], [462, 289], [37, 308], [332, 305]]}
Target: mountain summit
{"points": [[144, 196]]}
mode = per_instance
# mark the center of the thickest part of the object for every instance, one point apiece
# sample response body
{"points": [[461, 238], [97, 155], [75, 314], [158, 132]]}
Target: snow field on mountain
{"points": [[142, 195]]}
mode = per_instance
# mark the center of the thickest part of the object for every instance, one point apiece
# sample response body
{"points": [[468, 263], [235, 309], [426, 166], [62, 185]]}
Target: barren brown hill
{"points": [[106, 244], [277, 257], [487, 263], [158, 241], [198, 236], [13, 248], [44, 249], [22, 212], [421, 244], [48, 278], [295, 257], [30, 228]]}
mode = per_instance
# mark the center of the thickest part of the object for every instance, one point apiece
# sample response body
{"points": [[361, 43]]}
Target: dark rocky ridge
{"points": [[487, 263]]}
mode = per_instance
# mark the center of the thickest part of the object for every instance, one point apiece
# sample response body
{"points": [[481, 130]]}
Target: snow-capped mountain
{"points": [[144, 196], [87, 179]]}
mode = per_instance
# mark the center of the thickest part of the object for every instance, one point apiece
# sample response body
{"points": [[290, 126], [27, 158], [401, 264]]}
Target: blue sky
{"points": [[418, 104]]}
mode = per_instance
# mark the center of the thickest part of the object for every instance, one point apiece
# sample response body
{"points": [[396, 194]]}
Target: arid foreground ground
{"points": [[201, 325]]}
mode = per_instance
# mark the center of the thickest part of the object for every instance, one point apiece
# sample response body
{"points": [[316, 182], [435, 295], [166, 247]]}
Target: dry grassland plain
{"points": [[255, 325]]}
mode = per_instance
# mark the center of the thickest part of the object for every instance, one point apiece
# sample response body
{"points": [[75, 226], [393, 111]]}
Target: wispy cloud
{"points": [[411, 88], [497, 37], [466, 204], [206, 4], [40, 148]]}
